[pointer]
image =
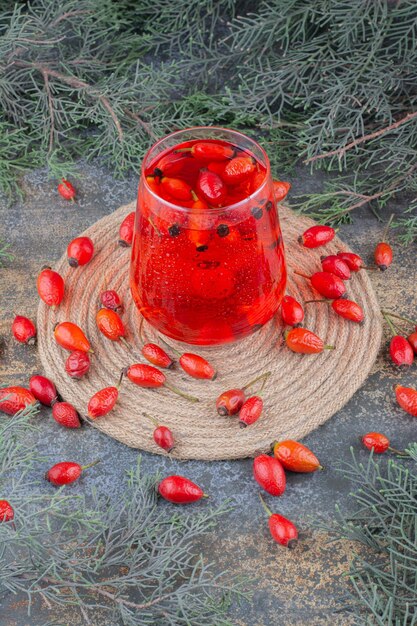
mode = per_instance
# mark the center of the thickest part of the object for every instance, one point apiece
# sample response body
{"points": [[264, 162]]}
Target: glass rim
{"points": [[215, 210]]}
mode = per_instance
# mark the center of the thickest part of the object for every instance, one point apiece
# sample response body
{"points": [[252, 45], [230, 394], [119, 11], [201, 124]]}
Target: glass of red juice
{"points": [[208, 264]]}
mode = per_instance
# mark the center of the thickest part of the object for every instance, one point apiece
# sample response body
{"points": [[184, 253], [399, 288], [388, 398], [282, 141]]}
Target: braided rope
{"points": [[302, 393]]}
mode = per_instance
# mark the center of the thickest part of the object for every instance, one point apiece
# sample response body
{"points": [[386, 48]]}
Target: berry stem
{"points": [[267, 509], [390, 324], [187, 396], [303, 275], [170, 347], [310, 301], [387, 227], [399, 452], [153, 420], [327, 347], [400, 317], [124, 342], [263, 377], [141, 334], [122, 373], [84, 467]]}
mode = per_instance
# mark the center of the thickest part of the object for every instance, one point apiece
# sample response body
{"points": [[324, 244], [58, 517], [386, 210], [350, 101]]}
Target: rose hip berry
{"points": [[352, 260], [210, 151], [296, 457], [282, 530], [157, 356], [150, 377], [412, 340], [269, 474], [66, 472], [50, 287], [66, 190], [180, 490], [80, 251], [126, 230], [250, 411], [348, 309], [70, 337], [43, 389], [211, 188], [238, 170], [230, 402], [281, 189], [24, 330], [66, 415], [110, 299], [383, 254], [401, 351], [162, 435], [407, 399], [110, 324], [336, 265], [196, 366], [176, 188], [102, 402], [6, 511], [377, 442], [327, 284], [14, 399], [316, 236], [291, 311], [304, 341], [77, 364]]}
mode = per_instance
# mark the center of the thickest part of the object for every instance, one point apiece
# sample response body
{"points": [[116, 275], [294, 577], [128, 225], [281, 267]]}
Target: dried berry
{"points": [[250, 411], [66, 190], [269, 474], [304, 341], [407, 399], [80, 251], [174, 230], [110, 299], [70, 337], [66, 415], [291, 311], [24, 330], [126, 230], [157, 356], [282, 530], [6, 511], [296, 457], [50, 287], [14, 399], [43, 389], [77, 364], [180, 490], [223, 230], [257, 212], [196, 366], [102, 402], [66, 472], [316, 236]]}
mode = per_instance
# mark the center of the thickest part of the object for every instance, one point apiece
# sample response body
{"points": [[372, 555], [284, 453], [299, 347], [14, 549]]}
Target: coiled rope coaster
{"points": [[303, 391]]}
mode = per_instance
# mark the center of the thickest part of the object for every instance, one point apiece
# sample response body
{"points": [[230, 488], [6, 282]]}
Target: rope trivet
{"points": [[303, 392]]}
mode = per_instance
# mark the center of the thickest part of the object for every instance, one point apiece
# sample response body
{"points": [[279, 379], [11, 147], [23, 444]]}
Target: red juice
{"points": [[208, 262]]}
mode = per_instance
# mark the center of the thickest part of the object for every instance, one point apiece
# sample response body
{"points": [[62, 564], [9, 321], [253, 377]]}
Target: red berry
{"points": [[110, 324], [317, 236], [282, 530], [376, 441], [6, 511], [50, 287], [238, 169], [177, 188], [328, 285], [196, 366], [304, 341], [24, 330], [66, 472], [401, 351], [352, 260], [163, 438], [211, 151], [179, 490], [250, 411], [14, 399], [70, 337], [66, 190], [383, 255], [156, 355], [110, 300], [170, 165], [145, 375], [296, 457], [281, 189], [211, 188], [412, 340], [269, 474], [336, 265], [102, 402], [291, 311], [66, 415], [230, 402], [77, 364], [43, 389], [407, 399], [80, 251], [348, 309], [126, 230]]}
